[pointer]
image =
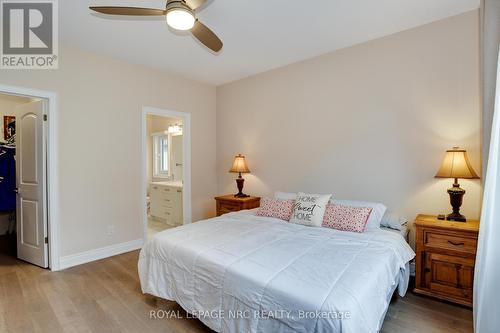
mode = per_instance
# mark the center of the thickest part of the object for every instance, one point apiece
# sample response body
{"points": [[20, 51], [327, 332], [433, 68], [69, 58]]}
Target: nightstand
{"points": [[446, 254], [230, 203]]}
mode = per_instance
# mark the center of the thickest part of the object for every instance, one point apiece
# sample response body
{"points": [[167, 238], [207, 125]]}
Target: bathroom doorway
{"points": [[166, 170]]}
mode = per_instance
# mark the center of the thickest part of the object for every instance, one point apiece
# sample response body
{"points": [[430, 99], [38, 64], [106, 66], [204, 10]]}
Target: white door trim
{"points": [[186, 143], [52, 167]]}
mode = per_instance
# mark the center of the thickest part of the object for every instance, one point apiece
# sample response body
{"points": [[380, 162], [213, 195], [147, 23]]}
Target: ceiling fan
{"points": [[180, 16]]}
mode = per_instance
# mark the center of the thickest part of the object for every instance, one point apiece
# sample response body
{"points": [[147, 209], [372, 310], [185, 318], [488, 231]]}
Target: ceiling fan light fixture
{"points": [[180, 19], [180, 15]]}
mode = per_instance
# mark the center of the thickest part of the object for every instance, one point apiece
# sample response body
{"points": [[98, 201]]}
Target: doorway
{"points": [[23, 178], [166, 170], [29, 176]]}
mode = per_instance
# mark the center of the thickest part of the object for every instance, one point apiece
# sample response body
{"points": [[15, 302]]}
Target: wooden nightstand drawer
{"points": [[223, 211], [230, 203], [226, 207], [450, 241]]}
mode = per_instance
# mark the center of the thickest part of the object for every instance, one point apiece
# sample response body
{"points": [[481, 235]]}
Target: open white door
{"points": [[30, 179], [177, 157]]}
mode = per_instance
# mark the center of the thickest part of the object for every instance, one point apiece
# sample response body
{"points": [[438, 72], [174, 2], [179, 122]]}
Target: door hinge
{"points": [[46, 240], [45, 117]]}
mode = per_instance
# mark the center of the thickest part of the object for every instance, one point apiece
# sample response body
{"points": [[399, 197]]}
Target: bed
{"points": [[404, 231], [245, 273]]}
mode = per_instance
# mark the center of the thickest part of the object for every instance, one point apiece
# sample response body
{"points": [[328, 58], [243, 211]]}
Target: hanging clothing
{"points": [[7, 178]]}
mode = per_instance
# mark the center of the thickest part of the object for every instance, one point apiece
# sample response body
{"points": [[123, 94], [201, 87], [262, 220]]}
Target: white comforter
{"points": [[244, 273]]}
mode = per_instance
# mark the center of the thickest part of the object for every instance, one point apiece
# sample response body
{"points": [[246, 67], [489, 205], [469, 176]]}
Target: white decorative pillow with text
{"points": [[309, 209]]}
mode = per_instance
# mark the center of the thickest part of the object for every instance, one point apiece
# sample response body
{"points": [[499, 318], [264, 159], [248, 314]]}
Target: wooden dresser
{"points": [[446, 253], [229, 203]]}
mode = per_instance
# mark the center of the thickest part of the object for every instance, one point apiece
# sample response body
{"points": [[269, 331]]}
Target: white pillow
{"points": [[391, 220], [285, 195], [378, 211], [310, 209]]}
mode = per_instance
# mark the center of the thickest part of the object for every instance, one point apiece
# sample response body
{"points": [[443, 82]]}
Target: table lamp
{"points": [[239, 167], [456, 165]]}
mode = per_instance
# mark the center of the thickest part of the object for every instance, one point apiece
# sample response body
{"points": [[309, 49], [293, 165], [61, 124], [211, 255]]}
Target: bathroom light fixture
{"points": [[175, 129]]}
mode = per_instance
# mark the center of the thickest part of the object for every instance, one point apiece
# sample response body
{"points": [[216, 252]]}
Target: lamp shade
{"points": [[239, 165], [456, 164]]}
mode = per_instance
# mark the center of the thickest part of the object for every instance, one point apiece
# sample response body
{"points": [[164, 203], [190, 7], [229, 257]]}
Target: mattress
{"points": [[245, 273]]}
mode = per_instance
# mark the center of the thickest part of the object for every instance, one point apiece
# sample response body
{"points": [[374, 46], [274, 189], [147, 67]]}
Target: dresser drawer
{"points": [[171, 215], [165, 189], [161, 200], [450, 241], [170, 200], [161, 211]]}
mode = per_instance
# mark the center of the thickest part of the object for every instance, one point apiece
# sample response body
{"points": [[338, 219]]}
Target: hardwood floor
{"points": [[105, 296]]}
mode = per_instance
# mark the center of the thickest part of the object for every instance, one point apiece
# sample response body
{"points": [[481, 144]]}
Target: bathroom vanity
{"points": [[166, 202]]}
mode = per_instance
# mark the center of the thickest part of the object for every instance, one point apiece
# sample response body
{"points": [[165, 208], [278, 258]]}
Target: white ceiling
{"points": [[258, 35]]}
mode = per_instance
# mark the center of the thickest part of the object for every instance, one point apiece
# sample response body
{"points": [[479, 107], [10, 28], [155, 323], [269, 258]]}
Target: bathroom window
{"points": [[161, 162]]}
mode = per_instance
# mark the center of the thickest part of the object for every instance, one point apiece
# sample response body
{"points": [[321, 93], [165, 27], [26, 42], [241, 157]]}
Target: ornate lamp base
{"points": [[239, 184], [456, 197]]}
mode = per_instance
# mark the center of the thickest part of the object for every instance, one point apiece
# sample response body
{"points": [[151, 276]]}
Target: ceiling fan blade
{"points": [[128, 11], [193, 4], [206, 36]]}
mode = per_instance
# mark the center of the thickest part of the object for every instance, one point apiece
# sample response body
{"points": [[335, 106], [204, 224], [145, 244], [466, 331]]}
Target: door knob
{"points": [[16, 190]]}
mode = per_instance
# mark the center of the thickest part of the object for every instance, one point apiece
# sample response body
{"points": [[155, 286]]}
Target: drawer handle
{"points": [[456, 244], [168, 200]]}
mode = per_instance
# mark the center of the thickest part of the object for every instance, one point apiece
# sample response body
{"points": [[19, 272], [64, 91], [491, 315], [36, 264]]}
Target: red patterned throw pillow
{"points": [[346, 218], [280, 209]]}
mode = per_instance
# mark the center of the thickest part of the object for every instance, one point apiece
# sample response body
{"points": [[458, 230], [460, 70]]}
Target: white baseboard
{"points": [[101, 253]]}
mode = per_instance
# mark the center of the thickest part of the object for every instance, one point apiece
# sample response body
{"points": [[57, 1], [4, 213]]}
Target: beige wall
{"points": [[100, 104], [368, 122]]}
